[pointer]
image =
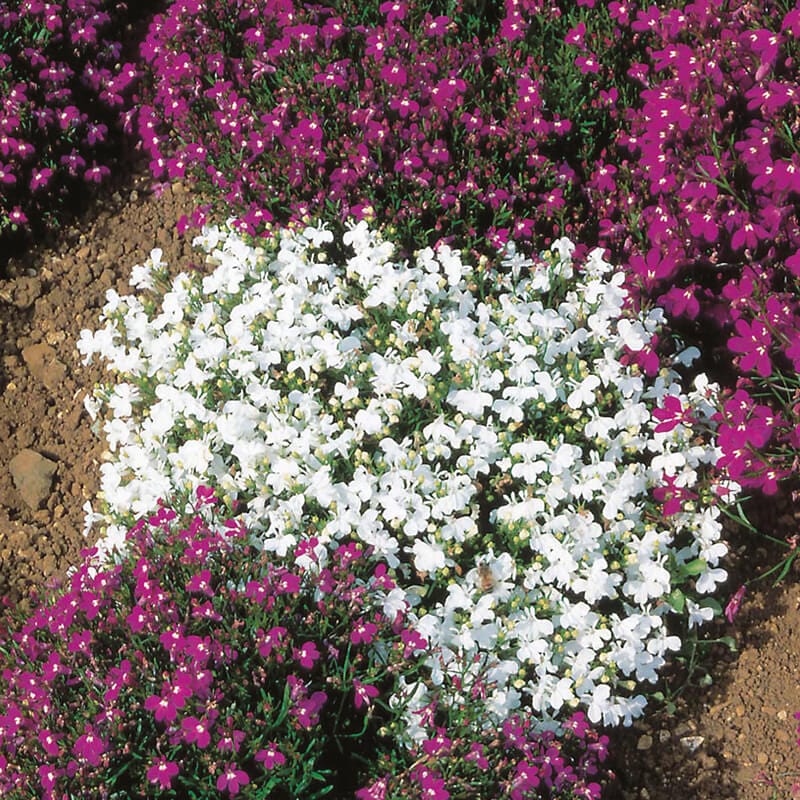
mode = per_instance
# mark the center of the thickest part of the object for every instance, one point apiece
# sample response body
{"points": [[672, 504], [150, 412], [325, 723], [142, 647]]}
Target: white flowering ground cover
{"points": [[489, 439]]}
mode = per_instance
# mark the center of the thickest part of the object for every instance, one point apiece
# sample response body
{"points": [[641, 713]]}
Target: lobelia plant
{"points": [[195, 665], [666, 130], [545, 507], [62, 88], [702, 205], [442, 120]]}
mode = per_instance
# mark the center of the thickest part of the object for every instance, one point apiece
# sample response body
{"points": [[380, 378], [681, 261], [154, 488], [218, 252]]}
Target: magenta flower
{"points": [[231, 742], [526, 780], [364, 693], [393, 10], [306, 655], [272, 638], [432, 785], [196, 731], [587, 64], [90, 747], [735, 603], [232, 779], [363, 632], [440, 744], [17, 217], [671, 415], [162, 772], [164, 707], [306, 711], [672, 496], [270, 757], [205, 495], [137, 619], [394, 74], [377, 790], [48, 775], [753, 342], [49, 742], [200, 583], [654, 267]]}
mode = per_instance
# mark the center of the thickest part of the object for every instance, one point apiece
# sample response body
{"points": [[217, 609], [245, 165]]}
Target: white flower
{"points": [[428, 556], [386, 402], [698, 614], [583, 394], [470, 403], [632, 334]]}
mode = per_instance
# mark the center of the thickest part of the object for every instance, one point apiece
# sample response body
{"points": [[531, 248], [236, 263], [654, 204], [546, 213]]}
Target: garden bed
{"points": [[732, 739]]}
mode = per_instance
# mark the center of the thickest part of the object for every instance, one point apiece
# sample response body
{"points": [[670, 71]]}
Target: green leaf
{"points": [[695, 567], [677, 599]]}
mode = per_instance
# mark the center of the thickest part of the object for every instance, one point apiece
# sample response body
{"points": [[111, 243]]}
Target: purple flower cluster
{"points": [[465, 123], [520, 764], [703, 203], [199, 664], [62, 88]]}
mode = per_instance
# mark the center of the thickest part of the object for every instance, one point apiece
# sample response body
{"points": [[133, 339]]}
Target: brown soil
{"points": [[743, 724]]}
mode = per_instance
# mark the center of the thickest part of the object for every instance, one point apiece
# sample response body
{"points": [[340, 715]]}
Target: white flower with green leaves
{"points": [[483, 427]]}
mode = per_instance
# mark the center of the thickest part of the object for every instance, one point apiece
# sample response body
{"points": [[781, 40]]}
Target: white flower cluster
{"points": [[482, 430]]}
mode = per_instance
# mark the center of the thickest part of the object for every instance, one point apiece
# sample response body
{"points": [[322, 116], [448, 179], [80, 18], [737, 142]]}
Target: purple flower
{"points": [[196, 731], [270, 757], [232, 779], [306, 655], [306, 710], [364, 693], [753, 343], [48, 775], [735, 603], [363, 632], [671, 415], [90, 747], [162, 772]]}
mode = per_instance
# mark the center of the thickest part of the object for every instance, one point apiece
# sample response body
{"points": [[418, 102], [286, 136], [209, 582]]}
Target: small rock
{"points": [[762, 758], [44, 366], [24, 291], [33, 477], [55, 337], [781, 715], [664, 736], [645, 742], [708, 762], [691, 743]]}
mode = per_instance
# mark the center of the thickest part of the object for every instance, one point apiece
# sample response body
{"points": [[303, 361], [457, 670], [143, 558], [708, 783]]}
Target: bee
{"points": [[486, 579]]}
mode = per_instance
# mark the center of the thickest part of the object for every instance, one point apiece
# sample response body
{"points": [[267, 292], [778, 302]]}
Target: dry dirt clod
{"points": [[32, 474], [44, 366]]}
